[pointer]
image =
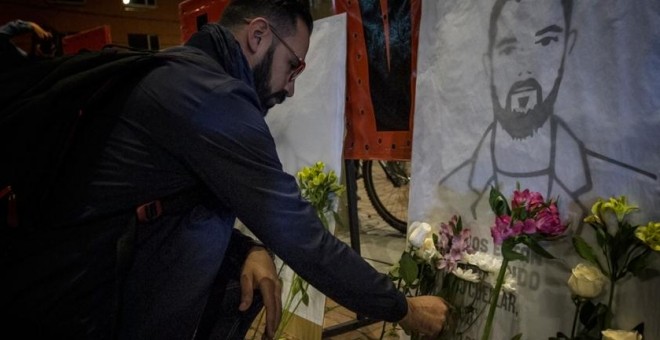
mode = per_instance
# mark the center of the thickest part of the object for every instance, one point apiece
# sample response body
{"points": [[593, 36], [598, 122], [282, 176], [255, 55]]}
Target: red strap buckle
{"points": [[12, 214], [149, 212]]}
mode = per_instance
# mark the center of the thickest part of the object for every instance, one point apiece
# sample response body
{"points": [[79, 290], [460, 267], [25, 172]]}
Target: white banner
{"points": [[564, 100], [309, 127]]}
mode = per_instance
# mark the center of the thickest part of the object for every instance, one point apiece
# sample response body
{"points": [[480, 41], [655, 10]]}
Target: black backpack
{"points": [[55, 118], [51, 109]]}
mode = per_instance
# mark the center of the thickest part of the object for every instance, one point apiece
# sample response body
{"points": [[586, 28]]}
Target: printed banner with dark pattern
{"points": [[561, 97], [380, 82]]}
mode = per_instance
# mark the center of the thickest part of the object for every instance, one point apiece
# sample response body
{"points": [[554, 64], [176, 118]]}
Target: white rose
{"points": [[587, 281], [427, 251], [613, 334], [419, 231]]}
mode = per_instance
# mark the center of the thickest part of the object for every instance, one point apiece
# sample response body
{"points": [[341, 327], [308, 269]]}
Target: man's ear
{"points": [[258, 35]]}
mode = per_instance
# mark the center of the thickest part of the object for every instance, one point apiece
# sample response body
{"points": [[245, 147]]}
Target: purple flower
{"points": [[445, 235], [465, 236]]}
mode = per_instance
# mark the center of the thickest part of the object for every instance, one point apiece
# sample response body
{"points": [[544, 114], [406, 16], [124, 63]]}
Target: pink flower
{"points": [[517, 227], [548, 222], [501, 230], [520, 198], [530, 200], [529, 226], [535, 200]]}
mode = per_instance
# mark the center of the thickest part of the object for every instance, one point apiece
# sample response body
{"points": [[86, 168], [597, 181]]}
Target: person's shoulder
{"points": [[191, 81], [186, 68], [210, 78], [186, 54]]}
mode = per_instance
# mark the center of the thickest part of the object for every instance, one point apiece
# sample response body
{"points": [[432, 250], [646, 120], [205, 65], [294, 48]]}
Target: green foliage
{"points": [[585, 250], [532, 242], [318, 187], [498, 202], [622, 252], [508, 253], [321, 190], [408, 269]]}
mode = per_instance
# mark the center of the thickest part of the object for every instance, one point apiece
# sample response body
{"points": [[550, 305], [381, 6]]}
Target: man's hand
{"points": [[40, 32], [259, 273], [426, 315]]}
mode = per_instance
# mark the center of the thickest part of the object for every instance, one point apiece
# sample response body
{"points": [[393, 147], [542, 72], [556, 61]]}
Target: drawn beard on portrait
{"points": [[526, 110], [262, 75]]}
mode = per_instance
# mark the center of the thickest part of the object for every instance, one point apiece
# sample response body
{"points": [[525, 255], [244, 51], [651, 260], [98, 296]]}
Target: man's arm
{"points": [[17, 27], [426, 315], [227, 144], [14, 28]]}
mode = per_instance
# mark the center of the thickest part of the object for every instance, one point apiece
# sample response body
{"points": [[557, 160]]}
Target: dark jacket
{"points": [[10, 54], [198, 126]]}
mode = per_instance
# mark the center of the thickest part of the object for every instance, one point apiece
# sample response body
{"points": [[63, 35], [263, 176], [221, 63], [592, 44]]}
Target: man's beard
{"points": [[526, 110], [262, 74]]}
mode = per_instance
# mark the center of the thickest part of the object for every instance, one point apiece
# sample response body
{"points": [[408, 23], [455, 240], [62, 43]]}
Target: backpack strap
{"points": [[171, 204], [144, 214]]}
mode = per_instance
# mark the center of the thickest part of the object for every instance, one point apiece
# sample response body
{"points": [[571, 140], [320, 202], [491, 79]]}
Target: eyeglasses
{"points": [[301, 63]]}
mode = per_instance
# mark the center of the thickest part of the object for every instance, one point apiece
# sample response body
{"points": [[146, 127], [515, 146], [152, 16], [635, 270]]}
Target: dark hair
{"points": [[497, 10], [281, 13]]}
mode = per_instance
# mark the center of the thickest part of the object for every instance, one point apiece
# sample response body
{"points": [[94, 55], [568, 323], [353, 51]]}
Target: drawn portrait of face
{"points": [[527, 45]]}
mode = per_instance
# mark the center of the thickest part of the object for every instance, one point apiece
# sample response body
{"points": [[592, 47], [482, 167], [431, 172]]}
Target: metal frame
{"points": [[354, 229]]}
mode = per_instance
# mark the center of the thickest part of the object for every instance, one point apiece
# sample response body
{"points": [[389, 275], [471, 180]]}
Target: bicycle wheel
{"points": [[387, 185]]}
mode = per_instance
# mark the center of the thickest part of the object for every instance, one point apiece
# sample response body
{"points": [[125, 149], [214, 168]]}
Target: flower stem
{"points": [[493, 300], [578, 305], [610, 314]]}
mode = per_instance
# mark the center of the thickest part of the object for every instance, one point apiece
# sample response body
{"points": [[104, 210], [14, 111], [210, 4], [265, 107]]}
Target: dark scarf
{"points": [[219, 43]]}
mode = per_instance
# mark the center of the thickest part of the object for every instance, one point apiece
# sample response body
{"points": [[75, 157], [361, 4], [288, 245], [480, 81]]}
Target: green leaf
{"points": [[459, 225], [305, 298], [517, 336], [602, 237], [408, 268], [648, 274], [296, 285], [510, 254], [639, 263], [534, 245], [584, 249], [498, 202]]}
